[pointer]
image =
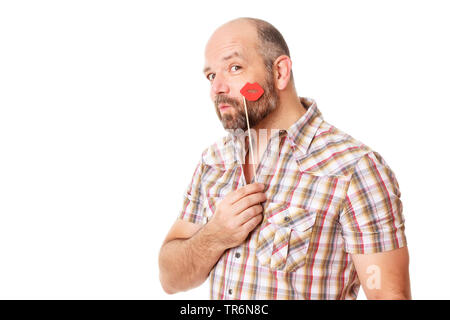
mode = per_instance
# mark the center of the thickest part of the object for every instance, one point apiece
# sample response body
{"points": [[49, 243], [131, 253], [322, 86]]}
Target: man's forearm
{"points": [[186, 263]]}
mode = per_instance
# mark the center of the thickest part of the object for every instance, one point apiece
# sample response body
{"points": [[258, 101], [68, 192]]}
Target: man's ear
{"points": [[282, 67]]}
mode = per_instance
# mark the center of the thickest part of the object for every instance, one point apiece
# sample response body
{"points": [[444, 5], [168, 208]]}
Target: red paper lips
{"points": [[252, 91]]}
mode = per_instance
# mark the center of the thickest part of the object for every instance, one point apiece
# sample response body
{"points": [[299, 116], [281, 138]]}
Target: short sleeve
{"points": [[372, 215], [193, 198]]}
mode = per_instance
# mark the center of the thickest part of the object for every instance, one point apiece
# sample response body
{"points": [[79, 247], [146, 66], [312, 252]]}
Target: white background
{"points": [[104, 112]]}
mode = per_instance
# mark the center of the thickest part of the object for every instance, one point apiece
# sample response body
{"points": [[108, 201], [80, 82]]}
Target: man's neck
{"points": [[285, 115], [289, 110]]}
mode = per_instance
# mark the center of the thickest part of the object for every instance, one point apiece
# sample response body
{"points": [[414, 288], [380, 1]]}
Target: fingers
{"points": [[245, 191], [252, 223], [250, 213], [249, 201]]}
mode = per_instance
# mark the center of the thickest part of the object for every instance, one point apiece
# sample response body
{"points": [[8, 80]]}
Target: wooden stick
{"points": [[250, 137]]}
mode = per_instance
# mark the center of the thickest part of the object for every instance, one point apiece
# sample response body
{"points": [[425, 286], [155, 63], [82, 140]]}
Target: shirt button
{"points": [[237, 255], [287, 219], [230, 291]]}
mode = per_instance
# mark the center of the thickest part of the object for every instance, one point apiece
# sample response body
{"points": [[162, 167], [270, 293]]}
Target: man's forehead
{"points": [[219, 52], [221, 47], [225, 55]]}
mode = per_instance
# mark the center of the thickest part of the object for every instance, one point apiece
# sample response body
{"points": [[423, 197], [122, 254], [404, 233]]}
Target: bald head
{"points": [[265, 37]]}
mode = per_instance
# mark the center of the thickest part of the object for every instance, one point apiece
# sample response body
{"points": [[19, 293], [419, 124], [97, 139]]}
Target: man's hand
{"points": [[237, 215], [190, 251]]}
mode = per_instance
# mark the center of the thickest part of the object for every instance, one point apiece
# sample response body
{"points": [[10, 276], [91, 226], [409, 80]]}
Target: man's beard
{"points": [[257, 110]]}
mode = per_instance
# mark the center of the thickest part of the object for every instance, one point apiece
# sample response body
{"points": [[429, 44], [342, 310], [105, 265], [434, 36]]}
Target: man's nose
{"points": [[220, 86]]}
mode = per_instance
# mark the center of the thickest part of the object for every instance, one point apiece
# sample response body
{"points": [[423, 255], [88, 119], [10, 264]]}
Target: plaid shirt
{"points": [[328, 196]]}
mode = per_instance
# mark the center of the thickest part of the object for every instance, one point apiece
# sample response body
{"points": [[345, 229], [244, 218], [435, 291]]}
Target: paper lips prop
{"points": [[252, 91]]}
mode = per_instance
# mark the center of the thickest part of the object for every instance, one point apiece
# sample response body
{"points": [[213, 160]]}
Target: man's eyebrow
{"points": [[234, 54]]}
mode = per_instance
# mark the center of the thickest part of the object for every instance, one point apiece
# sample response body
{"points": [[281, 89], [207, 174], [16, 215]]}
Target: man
{"points": [[321, 216]]}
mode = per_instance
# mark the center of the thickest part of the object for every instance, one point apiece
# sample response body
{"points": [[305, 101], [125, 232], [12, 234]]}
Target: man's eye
{"points": [[210, 76], [235, 68]]}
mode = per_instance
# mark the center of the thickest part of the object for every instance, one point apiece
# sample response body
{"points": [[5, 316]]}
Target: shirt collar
{"points": [[300, 134]]}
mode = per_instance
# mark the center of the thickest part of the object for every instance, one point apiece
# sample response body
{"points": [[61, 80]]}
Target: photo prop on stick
{"points": [[252, 91]]}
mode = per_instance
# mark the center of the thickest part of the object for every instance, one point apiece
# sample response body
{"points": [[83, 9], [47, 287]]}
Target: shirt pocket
{"points": [[284, 237]]}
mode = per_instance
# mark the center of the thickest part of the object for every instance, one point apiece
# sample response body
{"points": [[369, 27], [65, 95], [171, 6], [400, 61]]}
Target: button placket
{"points": [[236, 255]]}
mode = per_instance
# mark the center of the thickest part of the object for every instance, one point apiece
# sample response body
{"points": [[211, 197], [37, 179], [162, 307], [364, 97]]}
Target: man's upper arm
{"points": [[372, 225], [384, 275]]}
